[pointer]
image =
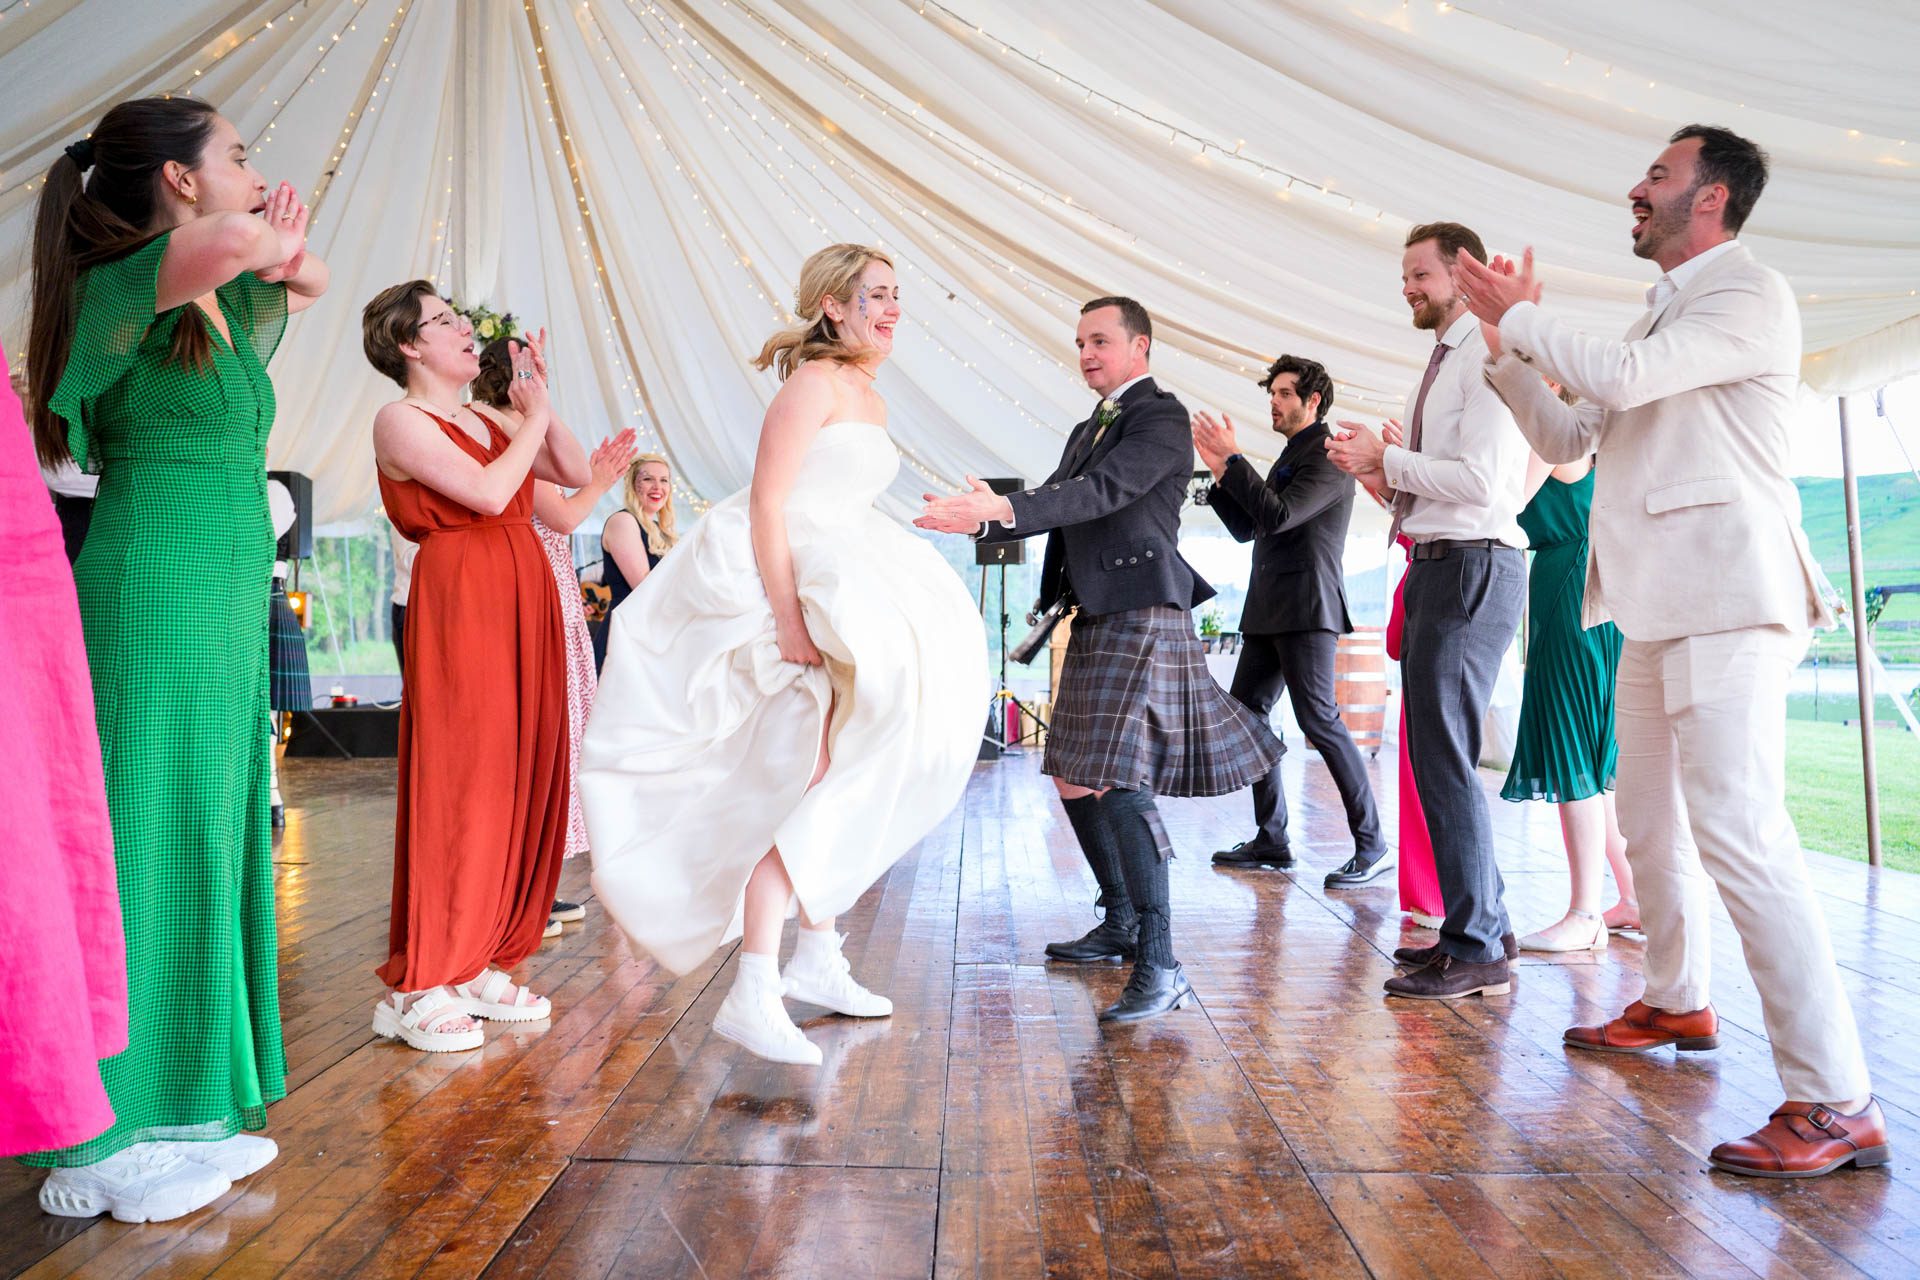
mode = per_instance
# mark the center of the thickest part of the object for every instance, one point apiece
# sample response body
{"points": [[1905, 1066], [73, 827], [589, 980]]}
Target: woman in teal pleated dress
{"points": [[1565, 749], [164, 273]]}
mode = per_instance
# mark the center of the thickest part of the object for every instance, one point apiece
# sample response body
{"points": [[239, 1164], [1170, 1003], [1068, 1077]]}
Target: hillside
{"points": [[1889, 526]]}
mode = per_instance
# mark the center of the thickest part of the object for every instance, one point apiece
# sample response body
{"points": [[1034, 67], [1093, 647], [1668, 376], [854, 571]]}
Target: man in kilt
{"points": [[1137, 714]]}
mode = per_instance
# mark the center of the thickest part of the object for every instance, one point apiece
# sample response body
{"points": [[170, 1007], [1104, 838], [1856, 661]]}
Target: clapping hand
{"points": [[611, 458], [1491, 289], [1391, 433], [287, 218], [527, 391], [963, 512], [1214, 441], [1355, 449]]}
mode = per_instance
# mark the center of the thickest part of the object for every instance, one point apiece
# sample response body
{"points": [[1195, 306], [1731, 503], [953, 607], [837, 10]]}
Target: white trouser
{"points": [[1702, 785]]}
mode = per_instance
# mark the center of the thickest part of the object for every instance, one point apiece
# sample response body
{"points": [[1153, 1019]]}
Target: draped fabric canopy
{"points": [[644, 177]]}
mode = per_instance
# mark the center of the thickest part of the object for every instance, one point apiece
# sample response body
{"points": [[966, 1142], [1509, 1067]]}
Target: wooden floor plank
{"points": [[1293, 1122], [718, 1221]]}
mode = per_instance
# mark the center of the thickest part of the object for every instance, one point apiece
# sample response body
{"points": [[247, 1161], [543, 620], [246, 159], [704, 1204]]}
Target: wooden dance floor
{"points": [[1296, 1123]]}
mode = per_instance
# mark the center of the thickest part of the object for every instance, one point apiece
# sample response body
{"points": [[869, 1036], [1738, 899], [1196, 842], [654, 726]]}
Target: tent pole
{"points": [[1863, 672]]}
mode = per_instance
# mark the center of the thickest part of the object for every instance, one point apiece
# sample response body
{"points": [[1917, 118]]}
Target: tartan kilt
{"points": [[288, 687], [1138, 709]]}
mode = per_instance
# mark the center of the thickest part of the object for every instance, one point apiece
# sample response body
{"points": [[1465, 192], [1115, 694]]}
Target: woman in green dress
{"points": [[160, 291], [1565, 749]]}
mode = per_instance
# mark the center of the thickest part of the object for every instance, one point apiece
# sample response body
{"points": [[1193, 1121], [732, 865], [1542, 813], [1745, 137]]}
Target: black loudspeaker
{"points": [[297, 542], [1002, 552]]}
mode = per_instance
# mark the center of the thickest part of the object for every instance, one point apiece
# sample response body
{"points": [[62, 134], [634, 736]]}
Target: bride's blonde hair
{"points": [[834, 270]]}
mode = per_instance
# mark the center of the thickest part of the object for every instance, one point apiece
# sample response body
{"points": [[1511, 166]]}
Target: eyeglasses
{"points": [[450, 319]]}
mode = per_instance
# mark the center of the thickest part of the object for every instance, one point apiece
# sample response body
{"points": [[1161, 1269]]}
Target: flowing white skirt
{"points": [[702, 740]]}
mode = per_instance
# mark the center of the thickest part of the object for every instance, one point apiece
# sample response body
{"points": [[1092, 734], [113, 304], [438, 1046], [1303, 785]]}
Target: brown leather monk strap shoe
{"points": [[1643, 1027], [1806, 1140], [1420, 957], [1451, 979]]}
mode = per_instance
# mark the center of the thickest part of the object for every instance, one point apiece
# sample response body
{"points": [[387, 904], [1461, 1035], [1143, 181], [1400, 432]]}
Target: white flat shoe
{"points": [[819, 974], [236, 1156], [752, 1017], [147, 1182], [1569, 938]]}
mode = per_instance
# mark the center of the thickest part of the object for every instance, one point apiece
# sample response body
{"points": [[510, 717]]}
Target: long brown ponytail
{"points": [[86, 219]]}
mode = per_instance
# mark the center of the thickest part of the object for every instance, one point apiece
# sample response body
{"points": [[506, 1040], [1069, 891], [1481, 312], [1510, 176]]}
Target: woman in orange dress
{"points": [[481, 822]]}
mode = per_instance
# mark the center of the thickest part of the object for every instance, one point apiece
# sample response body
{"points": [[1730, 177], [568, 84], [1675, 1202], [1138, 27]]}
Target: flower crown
{"points": [[487, 323]]}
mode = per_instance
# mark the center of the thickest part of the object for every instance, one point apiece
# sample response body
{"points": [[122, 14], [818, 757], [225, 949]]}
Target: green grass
{"points": [[1827, 800], [1889, 527]]}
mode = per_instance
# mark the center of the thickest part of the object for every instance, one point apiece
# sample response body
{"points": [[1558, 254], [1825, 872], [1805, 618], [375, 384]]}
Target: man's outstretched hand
{"points": [[963, 512]]}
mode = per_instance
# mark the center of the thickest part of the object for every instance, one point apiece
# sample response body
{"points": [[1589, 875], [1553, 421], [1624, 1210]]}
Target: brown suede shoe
{"points": [[1642, 1028], [1806, 1140], [1451, 979], [1420, 957]]}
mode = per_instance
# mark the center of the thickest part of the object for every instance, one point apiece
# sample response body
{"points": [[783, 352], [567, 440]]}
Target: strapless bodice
{"points": [[845, 470]]}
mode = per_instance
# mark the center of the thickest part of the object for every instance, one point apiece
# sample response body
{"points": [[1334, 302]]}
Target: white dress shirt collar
{"points": [[1463, 324], [1670, 283], [1115, 394]]}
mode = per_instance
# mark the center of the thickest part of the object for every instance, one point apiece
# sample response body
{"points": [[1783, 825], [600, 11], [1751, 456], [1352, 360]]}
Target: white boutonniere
{"points": [[1104, 416]]}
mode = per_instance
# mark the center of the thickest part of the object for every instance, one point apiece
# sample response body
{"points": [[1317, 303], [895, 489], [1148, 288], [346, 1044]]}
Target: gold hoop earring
{"points": [[190, 198]]}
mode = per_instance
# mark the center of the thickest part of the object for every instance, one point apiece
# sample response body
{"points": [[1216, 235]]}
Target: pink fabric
{"points": [[1419, 881], [63, 956], [580, 678]]}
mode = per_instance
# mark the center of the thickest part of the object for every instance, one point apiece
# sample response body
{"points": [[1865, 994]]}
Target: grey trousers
{"points": [[1462, 612]]}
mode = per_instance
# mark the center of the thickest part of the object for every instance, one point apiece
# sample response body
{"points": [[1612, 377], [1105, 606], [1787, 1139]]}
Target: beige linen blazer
{"points": [[1696, 524]]}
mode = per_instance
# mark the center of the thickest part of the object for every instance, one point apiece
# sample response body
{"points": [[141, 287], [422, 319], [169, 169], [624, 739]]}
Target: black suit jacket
{"points": [[1113, 512], [1297, 521]]}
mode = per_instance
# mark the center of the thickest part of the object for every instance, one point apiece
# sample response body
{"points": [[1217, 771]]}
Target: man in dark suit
{"points": [[1136, 714], [1296, 607]]}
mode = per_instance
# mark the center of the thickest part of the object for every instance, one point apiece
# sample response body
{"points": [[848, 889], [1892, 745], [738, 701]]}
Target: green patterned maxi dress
{"points": [[1565, 749], [173, 589]]}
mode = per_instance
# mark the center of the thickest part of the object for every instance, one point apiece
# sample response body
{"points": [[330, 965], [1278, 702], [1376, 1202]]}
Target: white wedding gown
{"points": [[702, 740]]}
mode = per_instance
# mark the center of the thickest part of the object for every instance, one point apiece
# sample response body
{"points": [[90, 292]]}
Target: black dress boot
{"points": [[1151, 991], [1157, 983], [1115, 936]]}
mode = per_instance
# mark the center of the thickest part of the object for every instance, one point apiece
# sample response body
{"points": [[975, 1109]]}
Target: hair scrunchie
{"points": [[81, 153]]}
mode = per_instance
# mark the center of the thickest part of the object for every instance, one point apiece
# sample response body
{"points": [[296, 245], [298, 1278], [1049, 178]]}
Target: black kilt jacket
{"points": [[1112, 510]]}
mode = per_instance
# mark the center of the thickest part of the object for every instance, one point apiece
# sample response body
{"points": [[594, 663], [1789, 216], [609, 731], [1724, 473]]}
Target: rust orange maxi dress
{"points": [[482, 816]]}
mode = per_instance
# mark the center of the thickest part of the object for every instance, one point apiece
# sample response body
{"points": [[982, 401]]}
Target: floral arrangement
{"points": [[1210, 624], [487, 323]]}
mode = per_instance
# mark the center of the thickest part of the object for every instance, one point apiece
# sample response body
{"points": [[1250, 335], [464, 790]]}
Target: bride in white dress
{"points": [[794, 697]]}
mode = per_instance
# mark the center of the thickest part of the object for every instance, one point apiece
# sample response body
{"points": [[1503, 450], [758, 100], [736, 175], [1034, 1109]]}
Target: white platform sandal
{"points": [[494, 996], [420, 1019]]}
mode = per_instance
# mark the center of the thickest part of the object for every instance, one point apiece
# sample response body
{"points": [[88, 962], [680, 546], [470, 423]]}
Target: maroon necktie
{"points": [[1402, 500]]}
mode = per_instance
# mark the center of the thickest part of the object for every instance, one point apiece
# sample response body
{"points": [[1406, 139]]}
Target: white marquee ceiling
{"points": [[645, 177]]}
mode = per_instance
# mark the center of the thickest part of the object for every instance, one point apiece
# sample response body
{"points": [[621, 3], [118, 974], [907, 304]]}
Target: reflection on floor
{"points": [[1294, 1124]]}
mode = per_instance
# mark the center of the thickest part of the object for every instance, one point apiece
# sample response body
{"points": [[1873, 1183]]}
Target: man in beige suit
{"points": [[1698, 557]]}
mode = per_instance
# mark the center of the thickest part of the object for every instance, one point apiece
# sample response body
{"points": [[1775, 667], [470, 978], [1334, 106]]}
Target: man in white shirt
{"points": [[1458, 484], [1698, 556]]}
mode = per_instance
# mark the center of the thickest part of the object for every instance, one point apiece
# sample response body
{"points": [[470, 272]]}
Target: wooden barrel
{"points": [[1360, 686]]}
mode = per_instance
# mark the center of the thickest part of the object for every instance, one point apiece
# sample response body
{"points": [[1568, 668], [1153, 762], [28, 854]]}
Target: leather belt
{"points": [[1439, 547]]}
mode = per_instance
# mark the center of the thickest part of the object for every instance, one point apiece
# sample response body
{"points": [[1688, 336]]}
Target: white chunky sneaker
{"points": [[236, 1156], [147, 1182], [752, 1017], [819, 974]]}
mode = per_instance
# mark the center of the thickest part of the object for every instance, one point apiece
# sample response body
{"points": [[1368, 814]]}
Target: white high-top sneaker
{"points": [[147, 1182], [819, 974], [752, 1016]]}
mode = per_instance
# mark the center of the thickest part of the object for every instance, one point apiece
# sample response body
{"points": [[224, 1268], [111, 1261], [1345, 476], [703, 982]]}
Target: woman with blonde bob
{"points": [[795, 699]]}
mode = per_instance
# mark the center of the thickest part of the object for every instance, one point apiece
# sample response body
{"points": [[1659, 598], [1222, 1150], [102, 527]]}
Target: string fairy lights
{"points": [[590, 240]]}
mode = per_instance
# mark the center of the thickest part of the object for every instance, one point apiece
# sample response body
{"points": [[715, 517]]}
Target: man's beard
{"points": [[1290, 426], [1433, 313], [1662, 226]]}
